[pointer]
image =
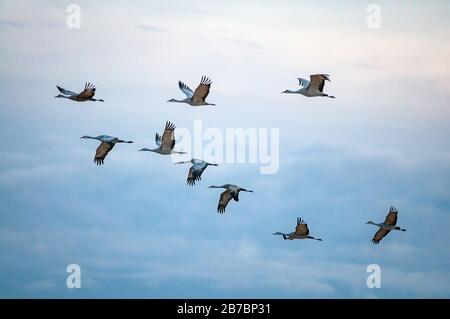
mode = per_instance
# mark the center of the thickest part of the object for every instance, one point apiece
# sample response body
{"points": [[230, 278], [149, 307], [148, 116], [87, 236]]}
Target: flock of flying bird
{"points": [[166, 143]]}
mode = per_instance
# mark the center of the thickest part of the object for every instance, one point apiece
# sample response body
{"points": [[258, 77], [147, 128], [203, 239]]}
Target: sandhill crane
{"points": [[301, 232], [313, 87], [86, 95], [198, 97], [388, 225], [106, 145], [231, 192], [196, 170], [166, 142]]}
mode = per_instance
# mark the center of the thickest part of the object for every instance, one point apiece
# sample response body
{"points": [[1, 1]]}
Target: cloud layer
{"points": [[134, 227]]}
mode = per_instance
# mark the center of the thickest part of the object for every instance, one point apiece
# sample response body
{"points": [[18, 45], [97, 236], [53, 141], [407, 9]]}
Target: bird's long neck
{"points": [[211, 164], [63, 96], [177, 101], [285, 236], [372, 223]]}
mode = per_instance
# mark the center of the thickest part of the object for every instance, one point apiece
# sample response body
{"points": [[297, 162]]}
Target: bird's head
{"points": [[285, 91], [180, 162], [59, 95], [171, 100], [369, 222], [144, 150], [84, 136]]}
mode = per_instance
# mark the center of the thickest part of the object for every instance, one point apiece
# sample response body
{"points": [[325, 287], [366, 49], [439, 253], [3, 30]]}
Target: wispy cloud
{"points": [[241, 41], [151, 28], [342, 162], [11, 24]]}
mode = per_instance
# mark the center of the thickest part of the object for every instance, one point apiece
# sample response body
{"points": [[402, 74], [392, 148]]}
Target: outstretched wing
{"points": [[195, 174], [302, 228], [102, 151], [303, 82], [391, 218], [202, 91], [185, 89], [225, 197], [64, 91], [317, 82], [88, 92], [379, 235], [158, 139], [168, 137]]}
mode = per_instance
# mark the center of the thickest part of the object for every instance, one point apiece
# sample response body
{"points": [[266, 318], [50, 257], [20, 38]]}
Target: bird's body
{"points": [[389, 224], [86, 95], [196, 170], [301, 232], [313, 87], [198, 97], [106, 145], [231, 192], [166, 142]]}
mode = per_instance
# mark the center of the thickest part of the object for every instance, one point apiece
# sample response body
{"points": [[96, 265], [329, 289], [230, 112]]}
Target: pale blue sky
{"points": [[133, 226]]}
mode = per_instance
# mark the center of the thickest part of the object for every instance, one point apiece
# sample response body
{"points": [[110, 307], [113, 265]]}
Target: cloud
{"points": [[40, 285], [149, 28], [133, 225], [11, 24], [241, 41]]}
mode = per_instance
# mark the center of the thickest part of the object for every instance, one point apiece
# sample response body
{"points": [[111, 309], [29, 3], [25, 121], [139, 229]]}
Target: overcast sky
{"points": [[137, 230]]}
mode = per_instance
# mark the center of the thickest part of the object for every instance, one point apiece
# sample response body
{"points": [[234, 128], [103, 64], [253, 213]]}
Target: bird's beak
{"points": [[140, 150]]}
